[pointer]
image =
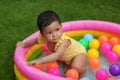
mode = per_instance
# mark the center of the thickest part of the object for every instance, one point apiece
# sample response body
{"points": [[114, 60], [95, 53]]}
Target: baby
{"points": [[61, 47]]}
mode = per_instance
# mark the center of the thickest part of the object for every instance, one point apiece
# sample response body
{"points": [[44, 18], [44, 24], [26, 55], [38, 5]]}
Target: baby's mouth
{"points": [[55, 39]]}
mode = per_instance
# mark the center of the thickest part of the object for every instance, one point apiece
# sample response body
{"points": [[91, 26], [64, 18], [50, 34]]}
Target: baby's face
{"points": [[53, 32]]}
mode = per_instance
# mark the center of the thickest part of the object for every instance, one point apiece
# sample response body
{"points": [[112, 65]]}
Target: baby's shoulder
{"points": [[41, 39]]}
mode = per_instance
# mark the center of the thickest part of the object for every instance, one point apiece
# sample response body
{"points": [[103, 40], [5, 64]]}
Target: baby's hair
{"points": [[46, 18]]}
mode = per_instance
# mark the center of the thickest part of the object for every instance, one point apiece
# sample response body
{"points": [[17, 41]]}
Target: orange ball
{"points": [[103, 39], [114, 40], [94, 63], [111, 78], [40, 66], [51, 65], [72, 73]]}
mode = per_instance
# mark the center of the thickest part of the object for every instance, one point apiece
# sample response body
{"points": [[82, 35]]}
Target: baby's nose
{"points": [[54, 34]]}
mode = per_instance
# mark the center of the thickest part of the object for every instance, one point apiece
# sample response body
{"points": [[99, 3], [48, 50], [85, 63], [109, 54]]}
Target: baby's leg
{"points": [[78, 63], [65, 66]]}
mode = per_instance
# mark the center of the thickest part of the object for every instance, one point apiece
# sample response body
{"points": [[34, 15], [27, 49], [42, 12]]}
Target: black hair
{"points": [[46, 18]]}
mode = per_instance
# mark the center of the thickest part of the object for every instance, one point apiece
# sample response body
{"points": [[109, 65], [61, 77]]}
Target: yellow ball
{"points": [[94, 43], [93, 53], [116, 48]]}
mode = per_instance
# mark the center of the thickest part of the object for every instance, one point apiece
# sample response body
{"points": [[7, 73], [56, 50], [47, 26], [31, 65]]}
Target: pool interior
{"points": [[90, 72]]}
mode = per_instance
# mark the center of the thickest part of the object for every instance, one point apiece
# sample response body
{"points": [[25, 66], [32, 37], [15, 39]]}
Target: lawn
{"points": [[18, 20]]}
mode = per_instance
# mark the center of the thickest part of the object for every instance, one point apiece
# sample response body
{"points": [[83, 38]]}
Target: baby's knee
{"points": [[83, 69]]}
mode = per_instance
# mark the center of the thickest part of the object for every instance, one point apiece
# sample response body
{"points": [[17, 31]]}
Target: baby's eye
{"points": [[57, 29], [49, 32]]}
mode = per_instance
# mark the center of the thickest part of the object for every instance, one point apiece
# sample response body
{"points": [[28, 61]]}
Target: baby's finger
{"points": [[18, 43], [31, 63]]}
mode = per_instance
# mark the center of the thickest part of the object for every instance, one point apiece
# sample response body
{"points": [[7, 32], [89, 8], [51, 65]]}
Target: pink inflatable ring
{"points": [[34, 74]]}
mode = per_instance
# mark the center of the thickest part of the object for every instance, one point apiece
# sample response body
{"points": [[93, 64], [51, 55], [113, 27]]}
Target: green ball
{"points": [[84, 43]]}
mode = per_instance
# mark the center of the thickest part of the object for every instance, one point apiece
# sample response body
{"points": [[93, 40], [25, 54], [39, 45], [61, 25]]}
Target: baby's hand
{"points": [[20, 43], [34, 62]]}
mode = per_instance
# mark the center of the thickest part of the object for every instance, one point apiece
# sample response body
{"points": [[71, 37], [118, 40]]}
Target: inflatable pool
{"points": [[73, 29]]}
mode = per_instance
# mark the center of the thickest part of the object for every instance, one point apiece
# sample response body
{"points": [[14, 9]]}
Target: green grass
{"points": [[18, 20]]}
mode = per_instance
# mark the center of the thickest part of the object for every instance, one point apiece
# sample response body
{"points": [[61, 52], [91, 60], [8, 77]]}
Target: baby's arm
{"points": [[53, 56], [28, 43]]}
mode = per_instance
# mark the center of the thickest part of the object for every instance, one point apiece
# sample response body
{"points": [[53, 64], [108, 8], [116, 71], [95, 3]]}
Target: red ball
{"points": [[51, 65], [114, 41], [72, 73], [40, 66], [103, 39], [94, 63]]}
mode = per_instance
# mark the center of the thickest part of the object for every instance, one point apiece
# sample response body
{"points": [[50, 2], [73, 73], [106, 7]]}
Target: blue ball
{"points": [[69, 78], [88, 37], [84, 78]]}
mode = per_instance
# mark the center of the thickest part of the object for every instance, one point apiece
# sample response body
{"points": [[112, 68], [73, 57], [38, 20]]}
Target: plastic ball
{"points": [[94, 43], [84, 43], [102, 39], [112, 56], [69, 78], [72, 73], [51, 65], [54, 71], [116, 48], [117, 79], [114, 69], [92, 53], [114, 41], [40, 66], [111, 78], [88, 37], [105, 48], [101, 74], [94, 63], [84, 78]]}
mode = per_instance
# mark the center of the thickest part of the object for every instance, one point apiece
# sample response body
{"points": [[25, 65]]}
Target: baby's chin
{"points": [[55, 41]]}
